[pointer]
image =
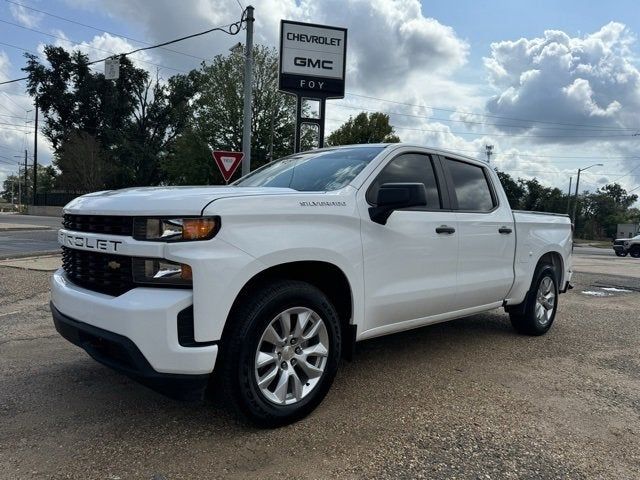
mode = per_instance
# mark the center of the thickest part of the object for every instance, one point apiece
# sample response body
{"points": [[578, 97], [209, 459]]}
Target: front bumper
{"points": [[145, 317], [121, 354], [619, 248]]}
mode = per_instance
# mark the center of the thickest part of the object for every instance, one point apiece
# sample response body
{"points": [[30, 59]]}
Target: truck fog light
{"points": [[158, 271]]}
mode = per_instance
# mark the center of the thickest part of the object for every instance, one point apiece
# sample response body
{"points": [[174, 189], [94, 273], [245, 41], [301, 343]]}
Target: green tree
{"points": [[364, 128], [602, 210], [47, 177], [218, 110], [514, 190], [83, 161], [134, 119]]}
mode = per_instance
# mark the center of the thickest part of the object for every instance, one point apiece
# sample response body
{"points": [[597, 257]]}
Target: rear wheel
{"points": [[539, 309], [281, 353]]}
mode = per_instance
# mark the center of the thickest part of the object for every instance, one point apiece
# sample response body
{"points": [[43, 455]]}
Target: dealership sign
{"points": [[312, 59]]}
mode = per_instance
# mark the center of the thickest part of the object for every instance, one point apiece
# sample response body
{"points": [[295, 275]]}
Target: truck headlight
{"points": [[175, 229], [158, 271]]}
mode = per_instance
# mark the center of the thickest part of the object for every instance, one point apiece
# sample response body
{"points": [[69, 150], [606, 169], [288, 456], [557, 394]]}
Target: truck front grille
{"points": [[100, 272], [109, 224]]}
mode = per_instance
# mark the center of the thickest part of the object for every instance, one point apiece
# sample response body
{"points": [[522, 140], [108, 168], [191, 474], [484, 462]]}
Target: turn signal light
{"points": [[198, 228]]}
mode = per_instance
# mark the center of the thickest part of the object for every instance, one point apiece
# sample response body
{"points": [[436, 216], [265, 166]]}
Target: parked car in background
{"points": [[627, 246]]}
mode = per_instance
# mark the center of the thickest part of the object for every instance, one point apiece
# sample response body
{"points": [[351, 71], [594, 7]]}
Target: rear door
{"points": [[487, 235], [409, 263]]}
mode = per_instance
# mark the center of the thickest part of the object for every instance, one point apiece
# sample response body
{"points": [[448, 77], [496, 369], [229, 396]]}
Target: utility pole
{"points": [[575, 202], [569, 195], [489, 151], [25, 200], [35, 155], [248, 83]]}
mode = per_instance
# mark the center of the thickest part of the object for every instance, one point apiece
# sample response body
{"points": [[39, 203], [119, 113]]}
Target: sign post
{"points": [[312, 67], [227, 162]]}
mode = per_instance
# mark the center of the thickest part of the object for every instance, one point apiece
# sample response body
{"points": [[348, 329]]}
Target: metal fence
{"points": [[55, 199]]}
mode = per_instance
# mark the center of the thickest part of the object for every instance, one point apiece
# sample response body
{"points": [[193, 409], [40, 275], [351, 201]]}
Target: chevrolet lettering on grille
{"points": [[88, 243]]}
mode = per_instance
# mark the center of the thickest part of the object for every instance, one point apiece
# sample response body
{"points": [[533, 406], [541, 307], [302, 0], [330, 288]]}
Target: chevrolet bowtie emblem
{"points": [[113, 265]]}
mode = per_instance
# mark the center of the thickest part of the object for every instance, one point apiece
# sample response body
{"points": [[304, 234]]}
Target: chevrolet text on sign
{"points": [[312, 59]]}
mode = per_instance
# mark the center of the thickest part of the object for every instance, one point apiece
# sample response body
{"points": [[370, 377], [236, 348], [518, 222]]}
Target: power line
{"points": [[506, 134], [9, 98], [230, 29], [475, 113], [15, 125], [512, 135], [11, 116], [18, 48], [482, 123], [84, 44], [101, 30]]}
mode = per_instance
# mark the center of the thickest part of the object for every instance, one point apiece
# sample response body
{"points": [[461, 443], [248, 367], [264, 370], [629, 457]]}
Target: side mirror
{"points": [[394, 196]]}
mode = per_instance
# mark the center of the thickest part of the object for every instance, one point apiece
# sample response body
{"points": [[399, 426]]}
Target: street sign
{"points": [[111, 68], [227, 162], [312, 59]]}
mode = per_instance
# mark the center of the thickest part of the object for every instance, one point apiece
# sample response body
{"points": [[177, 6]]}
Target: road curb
{"points": [[42, 253]]}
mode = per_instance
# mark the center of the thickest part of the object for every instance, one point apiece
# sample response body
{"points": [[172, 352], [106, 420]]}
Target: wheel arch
{"points": [[327, 277], [554, 259]]}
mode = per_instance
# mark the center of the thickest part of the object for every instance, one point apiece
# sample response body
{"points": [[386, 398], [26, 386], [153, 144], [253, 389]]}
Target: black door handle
{"points": [[445, 229], [505, 230]]}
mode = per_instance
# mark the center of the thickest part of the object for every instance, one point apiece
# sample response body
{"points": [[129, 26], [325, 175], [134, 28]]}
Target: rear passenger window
{"points": [[471, 186], [408, 168]]}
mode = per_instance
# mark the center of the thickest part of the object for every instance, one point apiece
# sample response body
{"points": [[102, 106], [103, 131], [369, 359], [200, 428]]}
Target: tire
{"points": [[634, 251], [621, 254], [249, 358], [535, 318]]}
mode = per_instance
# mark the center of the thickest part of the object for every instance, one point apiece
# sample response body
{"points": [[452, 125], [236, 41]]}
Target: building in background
{"points": [[628, 230]]}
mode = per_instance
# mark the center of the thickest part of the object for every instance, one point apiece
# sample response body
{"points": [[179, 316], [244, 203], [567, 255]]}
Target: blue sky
{"points": [[579, 85]]}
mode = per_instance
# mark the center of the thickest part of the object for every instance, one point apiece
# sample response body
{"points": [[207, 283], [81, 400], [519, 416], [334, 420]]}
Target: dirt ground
{"points": [[465, 399]]}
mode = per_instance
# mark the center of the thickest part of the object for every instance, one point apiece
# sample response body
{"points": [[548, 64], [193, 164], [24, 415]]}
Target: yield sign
{"points": [[227, 162]]}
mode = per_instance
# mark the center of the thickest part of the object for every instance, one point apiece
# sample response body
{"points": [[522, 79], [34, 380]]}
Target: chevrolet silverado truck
{"points": [[627, 246], [258, 289]]}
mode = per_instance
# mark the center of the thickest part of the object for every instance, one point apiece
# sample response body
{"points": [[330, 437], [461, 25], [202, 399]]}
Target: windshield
{"points": [[313, 171]]}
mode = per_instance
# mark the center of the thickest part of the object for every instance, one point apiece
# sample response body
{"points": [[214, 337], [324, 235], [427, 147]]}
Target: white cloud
{"points": [[394, 41], [25, 17], [585, 80]]}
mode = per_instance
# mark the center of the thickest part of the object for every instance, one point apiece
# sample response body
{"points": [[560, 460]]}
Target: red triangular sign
{"points": [[227, 162]]}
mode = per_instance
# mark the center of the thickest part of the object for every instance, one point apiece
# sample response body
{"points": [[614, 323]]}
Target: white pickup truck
{"points": [[270, 281]]}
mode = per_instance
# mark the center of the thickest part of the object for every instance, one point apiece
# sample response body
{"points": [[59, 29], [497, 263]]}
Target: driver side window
{"points": [[409, 168]]}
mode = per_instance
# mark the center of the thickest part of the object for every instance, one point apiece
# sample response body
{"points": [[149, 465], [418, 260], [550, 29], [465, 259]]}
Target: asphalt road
{"points": [[594, 251], [19, 237], [464, 399]]}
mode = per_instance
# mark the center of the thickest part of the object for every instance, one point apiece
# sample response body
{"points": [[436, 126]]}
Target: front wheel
{"points": [[634, 251], [540, 304], [281, 353]]}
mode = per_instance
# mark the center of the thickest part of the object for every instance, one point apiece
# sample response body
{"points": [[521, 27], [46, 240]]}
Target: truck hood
{"points": [[161, 200]]}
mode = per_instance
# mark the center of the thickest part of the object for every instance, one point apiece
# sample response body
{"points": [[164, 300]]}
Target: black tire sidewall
{"points": [[530, 312], [634, 252], [254, 320]]}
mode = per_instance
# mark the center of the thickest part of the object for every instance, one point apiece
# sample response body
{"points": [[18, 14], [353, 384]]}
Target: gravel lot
{"points": [[465, 399]]}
